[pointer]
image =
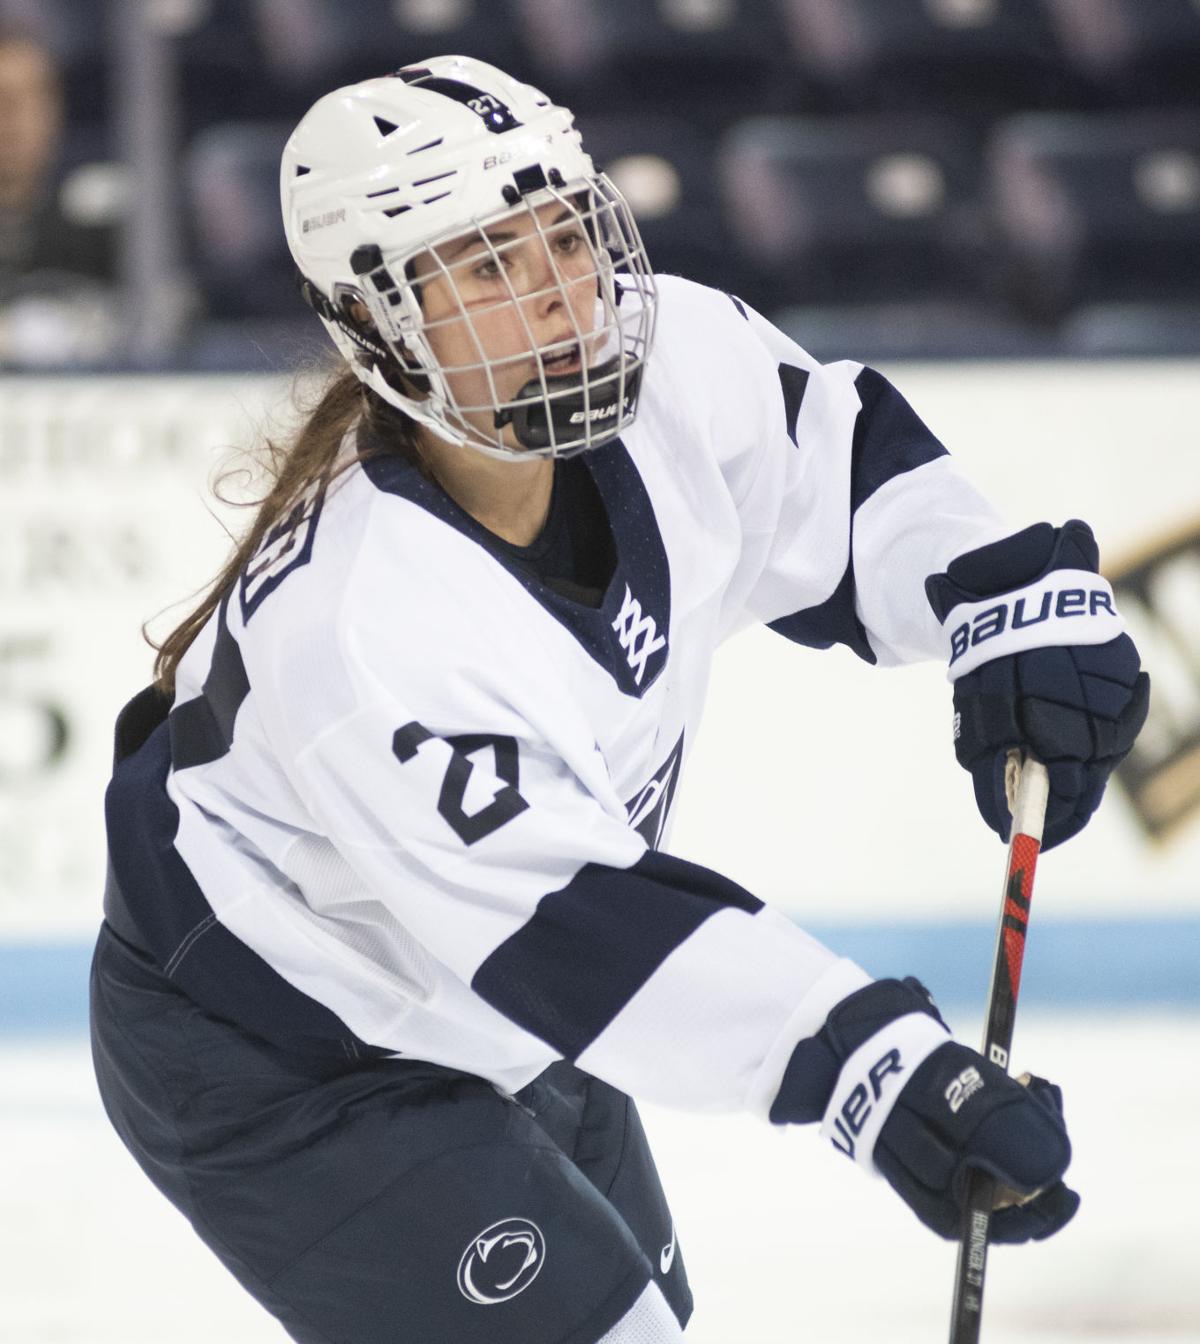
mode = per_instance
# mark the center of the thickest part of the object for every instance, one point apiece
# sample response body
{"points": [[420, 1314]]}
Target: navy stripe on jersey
{"points": [[636, 610], [833, 621], [589, 948], [202, 728], [793, 381], [889, 439], [212, 966]]}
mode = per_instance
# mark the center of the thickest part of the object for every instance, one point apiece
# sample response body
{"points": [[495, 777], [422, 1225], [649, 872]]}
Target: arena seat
{"points": [[1144, 52], [231, 186], [219, 64], [664, 167], [1098, 208], [970, 57], [850, 210], [312, 46], [703, 60]]}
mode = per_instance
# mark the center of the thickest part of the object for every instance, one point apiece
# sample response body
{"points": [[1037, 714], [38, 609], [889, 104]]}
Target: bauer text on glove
{"points": [[1040, 661], [899, 1095]]}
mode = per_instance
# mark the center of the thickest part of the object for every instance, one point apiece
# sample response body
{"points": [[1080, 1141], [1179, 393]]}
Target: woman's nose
{"points": [[545, 282]]}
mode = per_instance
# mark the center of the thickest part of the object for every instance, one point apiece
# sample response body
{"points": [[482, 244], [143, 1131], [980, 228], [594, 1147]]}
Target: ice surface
{"points": [[784, 1241]]}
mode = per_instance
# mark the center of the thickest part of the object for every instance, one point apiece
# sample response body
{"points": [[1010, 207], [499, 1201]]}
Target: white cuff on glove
{"points": [[1067, 606], [871, 1080]]}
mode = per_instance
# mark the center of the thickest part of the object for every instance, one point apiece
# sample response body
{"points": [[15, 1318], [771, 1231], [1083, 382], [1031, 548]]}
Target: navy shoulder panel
{"points": [[889, 439]]}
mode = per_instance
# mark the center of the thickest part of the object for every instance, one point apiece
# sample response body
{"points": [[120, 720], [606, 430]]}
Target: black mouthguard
{"points": [[569, 413]]}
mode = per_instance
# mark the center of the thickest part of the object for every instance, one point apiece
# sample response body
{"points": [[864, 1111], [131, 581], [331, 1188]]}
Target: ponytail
{"points": [[292, 467]]}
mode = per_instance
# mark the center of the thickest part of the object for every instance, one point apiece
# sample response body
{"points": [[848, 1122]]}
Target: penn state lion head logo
{"points": [[501, 1261]]}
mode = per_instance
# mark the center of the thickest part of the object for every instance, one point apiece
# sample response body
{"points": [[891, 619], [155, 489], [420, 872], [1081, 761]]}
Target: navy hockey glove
{"points": [[1040, 661], [897, 1094]]}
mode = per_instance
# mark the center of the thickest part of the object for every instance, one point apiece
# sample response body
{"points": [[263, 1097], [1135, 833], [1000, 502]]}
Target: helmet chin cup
{"points": [[552, 411]]}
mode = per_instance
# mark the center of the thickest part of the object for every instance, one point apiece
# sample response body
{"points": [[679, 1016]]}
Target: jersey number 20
{"points": [[507, 803]]}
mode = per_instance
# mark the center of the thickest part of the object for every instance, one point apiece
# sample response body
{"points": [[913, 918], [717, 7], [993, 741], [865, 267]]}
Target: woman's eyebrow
{"points": [[498, 238], [476, 240]]}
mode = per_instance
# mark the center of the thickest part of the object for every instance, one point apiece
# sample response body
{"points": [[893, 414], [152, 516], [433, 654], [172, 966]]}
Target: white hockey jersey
{"points": [[409, 798]]}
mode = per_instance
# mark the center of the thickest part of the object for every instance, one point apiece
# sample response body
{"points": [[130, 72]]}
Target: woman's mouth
{"points": [[564, 361]]}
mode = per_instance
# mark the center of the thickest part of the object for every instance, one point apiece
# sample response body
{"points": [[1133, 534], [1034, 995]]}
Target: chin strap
{"points": [[364, 335], [366, 340]]}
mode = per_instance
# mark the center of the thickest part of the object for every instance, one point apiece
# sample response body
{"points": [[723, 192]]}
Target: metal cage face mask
{"points": [[526, 333]]}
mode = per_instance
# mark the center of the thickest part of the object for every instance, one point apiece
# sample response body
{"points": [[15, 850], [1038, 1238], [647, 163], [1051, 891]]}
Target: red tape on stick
{"points": [[1022, 866]]}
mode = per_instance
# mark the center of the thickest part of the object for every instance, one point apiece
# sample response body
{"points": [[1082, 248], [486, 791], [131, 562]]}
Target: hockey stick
{"points": [[1028, 788]]}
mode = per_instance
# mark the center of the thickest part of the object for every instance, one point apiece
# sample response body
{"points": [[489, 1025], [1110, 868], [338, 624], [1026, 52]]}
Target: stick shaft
{"points": [[1028, 793]]}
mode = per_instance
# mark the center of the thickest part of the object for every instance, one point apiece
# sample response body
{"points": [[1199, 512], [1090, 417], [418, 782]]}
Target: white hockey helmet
{"points": [[379, 177]]}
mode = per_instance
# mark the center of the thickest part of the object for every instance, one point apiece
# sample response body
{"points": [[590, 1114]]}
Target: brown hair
{"points": [[291, 467]]}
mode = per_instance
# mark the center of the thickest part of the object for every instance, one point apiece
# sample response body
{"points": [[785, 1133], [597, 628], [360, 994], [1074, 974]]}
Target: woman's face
{"points": [[508, 304]]}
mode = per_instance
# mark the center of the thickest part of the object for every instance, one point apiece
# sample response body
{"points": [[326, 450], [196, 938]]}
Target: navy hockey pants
{"points": [[391, 1202]]}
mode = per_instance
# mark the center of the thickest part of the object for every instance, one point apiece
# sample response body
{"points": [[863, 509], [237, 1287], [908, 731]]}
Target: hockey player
{"points": [[390, 941]]}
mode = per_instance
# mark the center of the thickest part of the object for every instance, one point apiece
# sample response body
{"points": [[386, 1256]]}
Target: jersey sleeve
{"points": [[851, 504], [521, 875]]}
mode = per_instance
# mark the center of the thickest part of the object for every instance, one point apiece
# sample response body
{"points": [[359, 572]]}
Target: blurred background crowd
{"points": [[885, 178]]}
